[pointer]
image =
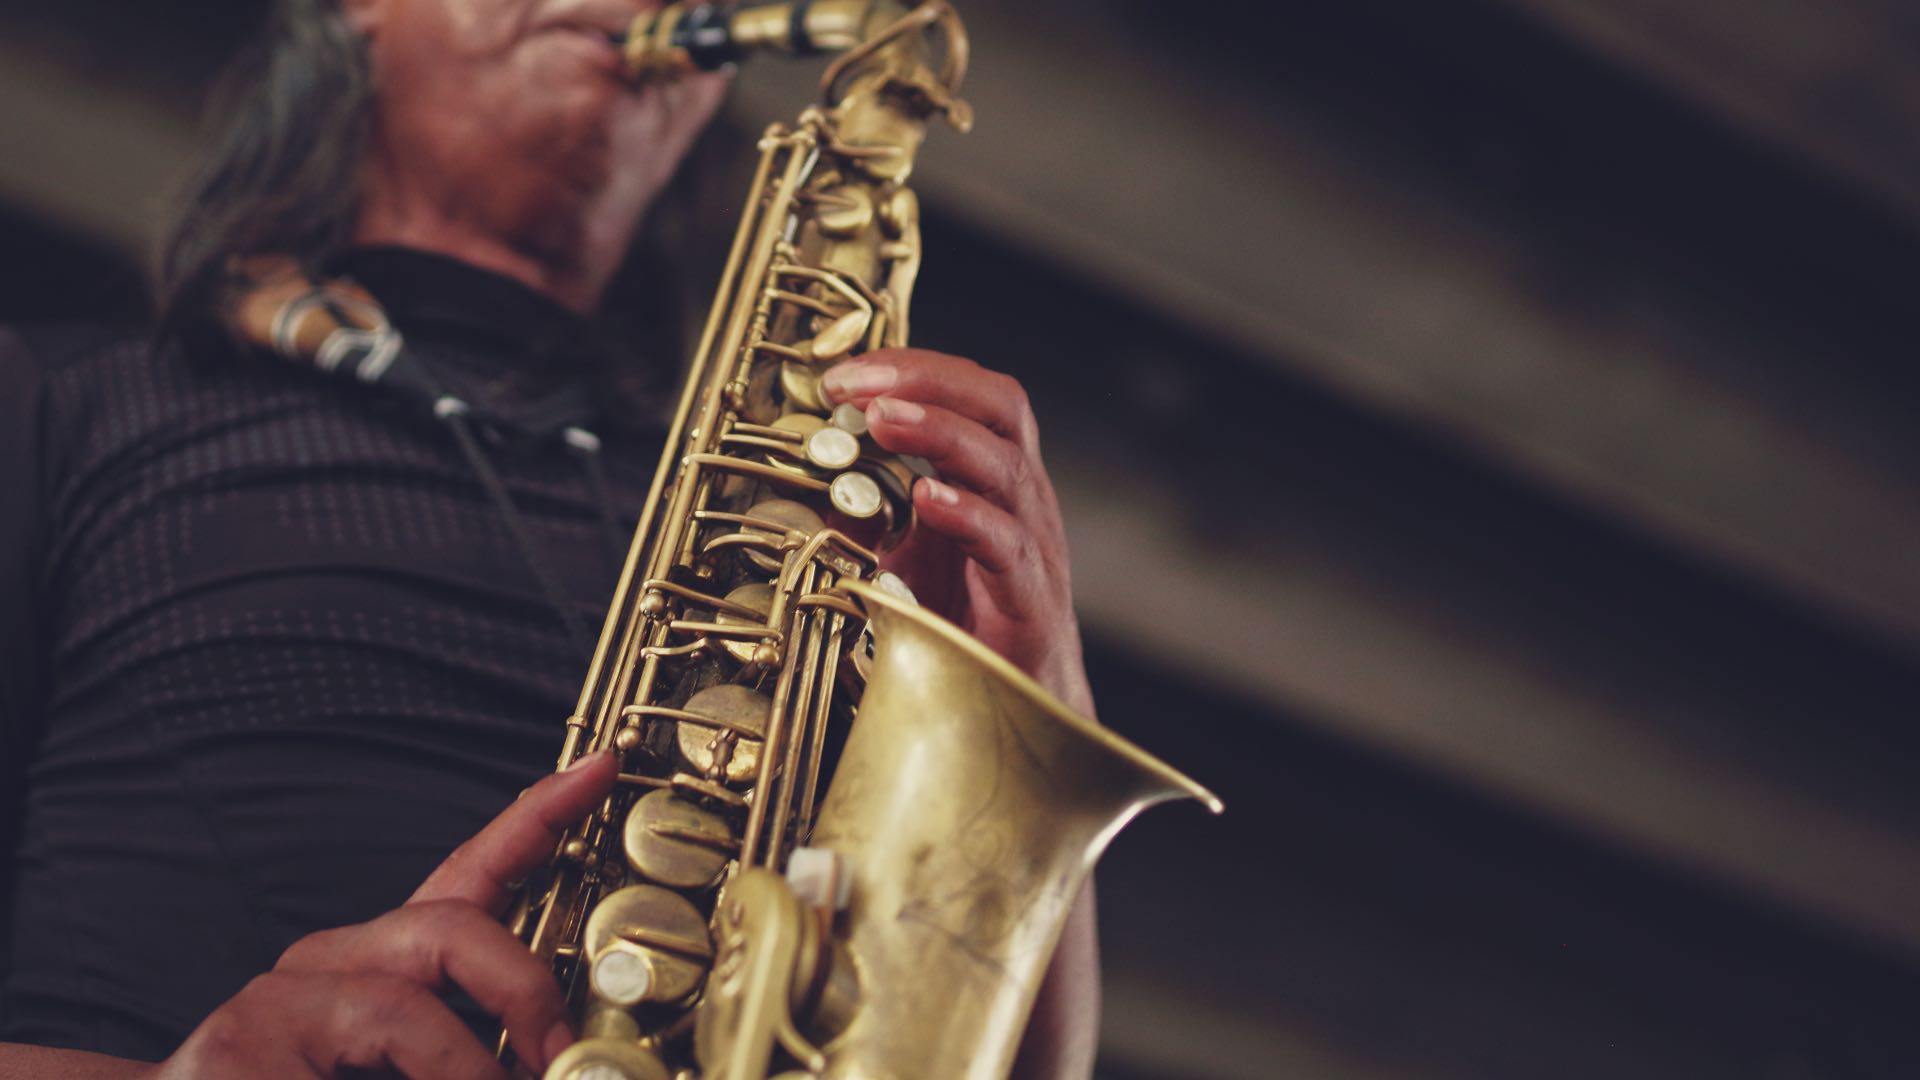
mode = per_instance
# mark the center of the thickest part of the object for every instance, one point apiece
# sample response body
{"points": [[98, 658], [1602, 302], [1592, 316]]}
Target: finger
{"points": [[435, 943], [965, 452], [385, 1022], [482, 870], [1018, 577], [997, 402], [309, 1025]]}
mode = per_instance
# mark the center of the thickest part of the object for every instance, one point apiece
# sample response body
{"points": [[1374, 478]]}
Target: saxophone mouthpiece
{"points": [[678, 40]]}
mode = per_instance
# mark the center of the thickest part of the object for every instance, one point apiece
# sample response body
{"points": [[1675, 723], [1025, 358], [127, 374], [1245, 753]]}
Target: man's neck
{"points": [[568, 257], [489, 253]]}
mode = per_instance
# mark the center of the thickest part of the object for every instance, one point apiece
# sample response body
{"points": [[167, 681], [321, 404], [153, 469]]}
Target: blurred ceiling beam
{"points": [[1573, 737], [91, 156], [1835, 82]]}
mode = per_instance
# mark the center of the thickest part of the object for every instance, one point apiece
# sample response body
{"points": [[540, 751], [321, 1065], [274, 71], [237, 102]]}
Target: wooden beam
{"points": [[92, 156], [1838, 84]]}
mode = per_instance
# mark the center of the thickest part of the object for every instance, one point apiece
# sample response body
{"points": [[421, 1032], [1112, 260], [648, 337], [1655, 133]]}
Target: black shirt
{"points": [[269, 651]]}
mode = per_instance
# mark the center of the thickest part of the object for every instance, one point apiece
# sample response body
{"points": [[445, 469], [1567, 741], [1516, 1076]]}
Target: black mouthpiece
{"points": [[707, 37]]}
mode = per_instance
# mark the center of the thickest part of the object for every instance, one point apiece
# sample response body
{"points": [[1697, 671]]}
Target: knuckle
{"points": [[441, 912], [1030, 552], [432, 922], [533, 998], [387, 1000], [308, 951], [1011, 391], [1024, 427], [224, 1031], [1020, 473]]}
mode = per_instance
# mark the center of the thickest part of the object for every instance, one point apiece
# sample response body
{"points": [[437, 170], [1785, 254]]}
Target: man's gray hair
{"points": [[280, 176]]}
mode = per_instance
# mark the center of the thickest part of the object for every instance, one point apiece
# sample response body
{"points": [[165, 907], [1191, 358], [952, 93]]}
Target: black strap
{"points": [[797, 34], [586, 448], [454, 413]]}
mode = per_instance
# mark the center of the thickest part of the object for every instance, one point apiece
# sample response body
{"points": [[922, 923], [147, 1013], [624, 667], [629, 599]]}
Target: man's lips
{"points": [[595, 43], [611, 18]]}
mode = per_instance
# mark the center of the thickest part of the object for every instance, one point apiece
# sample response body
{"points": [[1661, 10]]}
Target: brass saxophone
{"points": [[778, 885]]}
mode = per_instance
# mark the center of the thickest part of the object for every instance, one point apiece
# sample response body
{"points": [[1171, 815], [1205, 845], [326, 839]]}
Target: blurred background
{"points": [[1487, 434]]}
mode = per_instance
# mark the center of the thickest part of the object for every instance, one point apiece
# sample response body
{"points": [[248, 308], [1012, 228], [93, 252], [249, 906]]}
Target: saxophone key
{"points": [[806, 426], [729, 746], [801, 383], [757, 598], [658, 926], [833, 448], [850, 418], [676, 842], [855, 494], [839, 337]]}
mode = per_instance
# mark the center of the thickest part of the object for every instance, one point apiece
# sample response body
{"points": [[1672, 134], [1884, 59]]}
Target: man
{"points": [[277, 640]]}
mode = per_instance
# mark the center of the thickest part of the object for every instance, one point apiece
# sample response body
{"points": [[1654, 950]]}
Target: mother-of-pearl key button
{"points": [[833, 448]]}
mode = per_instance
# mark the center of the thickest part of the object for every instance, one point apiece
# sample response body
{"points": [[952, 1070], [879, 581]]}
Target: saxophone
{"points": [[845, 835]]}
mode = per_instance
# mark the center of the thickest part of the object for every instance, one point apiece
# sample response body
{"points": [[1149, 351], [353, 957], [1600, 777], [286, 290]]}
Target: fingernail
{"points": [[858, 380], [896, 411], [559, 1037], [940, 492]]}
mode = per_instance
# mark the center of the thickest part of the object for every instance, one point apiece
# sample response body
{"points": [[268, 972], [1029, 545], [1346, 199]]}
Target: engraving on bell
{"points": [[855, 495], [675, 841], [832, 448], [740, 707]]}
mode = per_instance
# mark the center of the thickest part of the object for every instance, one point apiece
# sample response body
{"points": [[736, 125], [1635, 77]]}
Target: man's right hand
{"points": [[364, 996]]}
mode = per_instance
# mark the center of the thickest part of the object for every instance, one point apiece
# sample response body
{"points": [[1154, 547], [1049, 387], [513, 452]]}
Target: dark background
{"points": [[1487, 435]]}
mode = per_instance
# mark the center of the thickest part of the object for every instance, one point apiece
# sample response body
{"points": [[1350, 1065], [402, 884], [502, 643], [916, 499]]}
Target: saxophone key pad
{"points": [[659, 926], [806, 426], [676, 842], [737, 710], [757, 597], [801, 383], [788, 514]]}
